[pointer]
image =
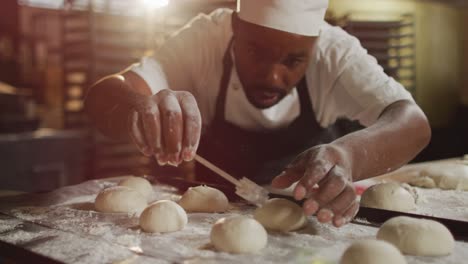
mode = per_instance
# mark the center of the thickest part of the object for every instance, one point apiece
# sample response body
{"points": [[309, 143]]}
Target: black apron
{"points": [[259, 156]]}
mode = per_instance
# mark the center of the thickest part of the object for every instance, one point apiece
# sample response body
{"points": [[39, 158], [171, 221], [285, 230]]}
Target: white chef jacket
{"points": [[343, 80]]}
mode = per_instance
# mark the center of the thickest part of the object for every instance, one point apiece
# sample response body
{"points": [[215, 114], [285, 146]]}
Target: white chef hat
{"points": [[302, 17]]}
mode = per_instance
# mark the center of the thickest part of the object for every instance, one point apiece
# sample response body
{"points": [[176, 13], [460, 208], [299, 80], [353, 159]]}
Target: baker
{"points": [[258, 93]]}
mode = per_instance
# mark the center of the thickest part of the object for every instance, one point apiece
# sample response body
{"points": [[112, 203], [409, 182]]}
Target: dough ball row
{"points": [[244, 234], [238, 234], [131, 195], [401, 235], [450, 176], [402, 197]]}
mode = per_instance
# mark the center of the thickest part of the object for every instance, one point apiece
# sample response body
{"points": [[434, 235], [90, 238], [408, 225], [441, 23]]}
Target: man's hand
{"points": [[167, 125], [325, 179]]}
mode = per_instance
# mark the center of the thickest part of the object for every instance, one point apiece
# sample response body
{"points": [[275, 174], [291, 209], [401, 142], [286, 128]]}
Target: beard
{"points": [[264, 98]]}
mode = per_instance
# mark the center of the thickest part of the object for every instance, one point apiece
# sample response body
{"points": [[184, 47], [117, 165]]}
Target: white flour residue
{"points": [[98, 229], [31, 213], [105, 184], [87, 236], [7, 225], [80, 200], [17, 237], [129, 241], [74, 249], [451, 204]]}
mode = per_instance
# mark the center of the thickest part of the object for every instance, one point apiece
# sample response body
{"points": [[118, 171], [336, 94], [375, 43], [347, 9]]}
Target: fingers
{"points": [[172, 126], [192, 125], [341, 210], [286, 178], [325, 215], [314, 172], [152, 128], [352, 211], [136, 134], [310, 206], [333, 199], [347, 216], [341, 203], [168, 125], [293, 172], [331, 186], [336, 209], [325, 179]]}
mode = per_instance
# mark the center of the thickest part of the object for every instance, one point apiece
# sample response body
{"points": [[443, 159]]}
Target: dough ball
{"points": [[120, 199], [163, 216], [448, 176], [390, 196], [204, 199], [238, 234], [420, 237], [139, 184], [281, 215], [423, 182], [371, 252]]}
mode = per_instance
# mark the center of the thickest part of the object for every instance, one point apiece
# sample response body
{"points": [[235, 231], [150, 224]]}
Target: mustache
{"points": [[270, 89]]}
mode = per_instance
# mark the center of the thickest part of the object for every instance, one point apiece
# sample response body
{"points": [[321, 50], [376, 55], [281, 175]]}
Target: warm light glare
{"points": [[154, 4]]}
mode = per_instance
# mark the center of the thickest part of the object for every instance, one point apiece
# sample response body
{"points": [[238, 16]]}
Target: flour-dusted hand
{"points": [[168, 126], [324, 175]]}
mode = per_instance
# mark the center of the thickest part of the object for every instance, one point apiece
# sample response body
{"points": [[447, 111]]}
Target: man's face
{"points": [[269, 62]]}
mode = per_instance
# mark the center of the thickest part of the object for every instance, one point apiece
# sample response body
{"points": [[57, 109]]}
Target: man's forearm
{"points": [[399, 134], [108, 104]]}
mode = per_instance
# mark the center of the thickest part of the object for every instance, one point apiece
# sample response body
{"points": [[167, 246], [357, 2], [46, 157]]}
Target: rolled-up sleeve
{"points": [[151, 71], [363, 90], [182, 60]]}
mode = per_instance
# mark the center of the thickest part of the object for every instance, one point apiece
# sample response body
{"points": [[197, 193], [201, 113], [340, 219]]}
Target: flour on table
{"points": [[18, 237], [87, 236], [447, 176]]}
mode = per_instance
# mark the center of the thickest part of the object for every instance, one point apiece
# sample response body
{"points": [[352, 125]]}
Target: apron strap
{"points": [[225, 78], [304, 99]]}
